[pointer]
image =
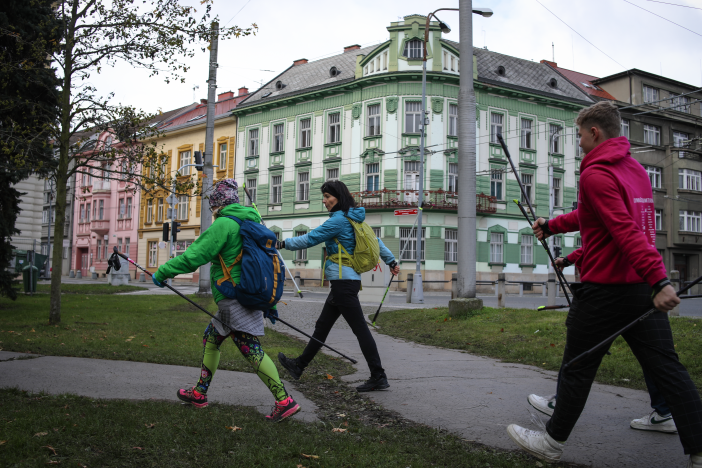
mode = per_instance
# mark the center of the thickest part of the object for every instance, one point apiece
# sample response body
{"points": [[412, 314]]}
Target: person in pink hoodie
{"points": [[623, 277]]}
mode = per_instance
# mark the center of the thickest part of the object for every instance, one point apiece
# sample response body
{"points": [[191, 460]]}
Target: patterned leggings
{"points": [[250, 347]]}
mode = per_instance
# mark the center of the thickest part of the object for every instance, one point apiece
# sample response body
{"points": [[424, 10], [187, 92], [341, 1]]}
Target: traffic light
{"points": [[175, 229], [198, 160], [166, 232], [558, 251]]}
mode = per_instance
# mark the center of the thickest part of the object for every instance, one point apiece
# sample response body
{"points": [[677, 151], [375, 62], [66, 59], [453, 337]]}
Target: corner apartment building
{"points": [[355, 117]]}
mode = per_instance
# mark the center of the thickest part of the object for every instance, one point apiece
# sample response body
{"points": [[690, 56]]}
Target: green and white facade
{"points": [[354, 117]]}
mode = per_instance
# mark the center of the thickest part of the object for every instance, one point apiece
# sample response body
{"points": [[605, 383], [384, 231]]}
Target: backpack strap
{"points": [[227, 270]]}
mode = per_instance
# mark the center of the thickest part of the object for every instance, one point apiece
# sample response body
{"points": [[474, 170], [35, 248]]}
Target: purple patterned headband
{"points": [[225, 192]]}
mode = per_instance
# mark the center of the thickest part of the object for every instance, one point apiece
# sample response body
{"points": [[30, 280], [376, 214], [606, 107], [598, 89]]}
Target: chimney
{"points": [[223, 96], [351, 47], [203, 102], [300, 62], [548, 62], [243, 91]]}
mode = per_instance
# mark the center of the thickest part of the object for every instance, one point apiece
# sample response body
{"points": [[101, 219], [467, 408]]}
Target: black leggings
{"points": [[598, 311], [343, 300]]}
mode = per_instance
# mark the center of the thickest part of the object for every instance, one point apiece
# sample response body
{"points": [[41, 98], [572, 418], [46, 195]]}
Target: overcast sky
{"points": [[313, 29]]}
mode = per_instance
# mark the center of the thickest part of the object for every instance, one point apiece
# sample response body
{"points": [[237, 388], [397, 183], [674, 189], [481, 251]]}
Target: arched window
{"points": [[413, 49]]}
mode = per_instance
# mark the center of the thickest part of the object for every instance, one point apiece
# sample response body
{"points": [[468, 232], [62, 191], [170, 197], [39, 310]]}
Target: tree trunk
{"points": [[57, 255]]}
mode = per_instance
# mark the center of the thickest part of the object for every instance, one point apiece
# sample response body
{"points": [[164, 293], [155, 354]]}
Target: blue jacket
{"points": [[339, 227]]}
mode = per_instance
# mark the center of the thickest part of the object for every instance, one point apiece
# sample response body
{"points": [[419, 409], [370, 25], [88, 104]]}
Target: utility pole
{"points": [[467, 238], [417, 286], [208, 160]]}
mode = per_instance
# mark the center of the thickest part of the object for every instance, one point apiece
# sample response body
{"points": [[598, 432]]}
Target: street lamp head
{"points": [[485, 12], [444, 27]]}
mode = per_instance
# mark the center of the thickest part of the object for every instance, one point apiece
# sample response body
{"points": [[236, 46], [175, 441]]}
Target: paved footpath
{"points": [[478, 397], [99, 378]]}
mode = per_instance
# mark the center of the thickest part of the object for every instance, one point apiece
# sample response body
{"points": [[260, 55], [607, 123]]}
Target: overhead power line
{"points": [[661, 17], [675, 4]]}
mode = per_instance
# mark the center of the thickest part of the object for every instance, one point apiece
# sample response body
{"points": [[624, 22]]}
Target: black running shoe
{"points": [[374, 383], [291, 365]]}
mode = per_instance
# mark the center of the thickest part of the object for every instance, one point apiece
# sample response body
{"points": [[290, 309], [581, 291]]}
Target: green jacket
{"points": [[222, 237]]}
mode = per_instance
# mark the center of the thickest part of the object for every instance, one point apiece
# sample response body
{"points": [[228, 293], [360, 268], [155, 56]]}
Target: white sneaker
{"points": [[539, 444], [545, 404], [695, 461], [655, 422]]}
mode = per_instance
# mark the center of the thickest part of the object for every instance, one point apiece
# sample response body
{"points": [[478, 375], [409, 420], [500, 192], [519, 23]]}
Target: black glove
{"points": [[566, 262], [393, 264], [271, 314], [280, 245]]}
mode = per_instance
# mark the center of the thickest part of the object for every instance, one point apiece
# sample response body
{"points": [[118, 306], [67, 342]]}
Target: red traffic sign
{"points": [[412, 211]]}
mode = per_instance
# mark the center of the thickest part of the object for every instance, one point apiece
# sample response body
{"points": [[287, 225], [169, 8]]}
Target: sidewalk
{"points": [[478, 397], [98, 378]]}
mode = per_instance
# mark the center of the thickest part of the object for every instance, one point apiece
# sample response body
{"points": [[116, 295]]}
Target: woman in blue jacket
{"points": [[343, 298]]}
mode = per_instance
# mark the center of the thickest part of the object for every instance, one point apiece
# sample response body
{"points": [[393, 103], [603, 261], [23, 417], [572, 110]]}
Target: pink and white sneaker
{"points": [[193, 397], [283, 409]]}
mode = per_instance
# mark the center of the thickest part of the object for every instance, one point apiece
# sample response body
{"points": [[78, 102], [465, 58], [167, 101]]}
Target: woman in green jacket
{"points": [[220, 244]]}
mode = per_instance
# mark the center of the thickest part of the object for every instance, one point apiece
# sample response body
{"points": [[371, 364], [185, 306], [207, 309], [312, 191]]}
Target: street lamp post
{"points": [[466, 154]]}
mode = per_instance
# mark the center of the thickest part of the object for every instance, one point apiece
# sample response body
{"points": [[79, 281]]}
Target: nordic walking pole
{"points": [[623, 330], [559, 273], [279, 254], [552, 307], [561, 278], [205, 311], [393, 276]]}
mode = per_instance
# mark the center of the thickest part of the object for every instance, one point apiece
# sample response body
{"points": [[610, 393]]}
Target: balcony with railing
{"points": [[100, 226], [101, 186], [387, 199], [83, 228]]}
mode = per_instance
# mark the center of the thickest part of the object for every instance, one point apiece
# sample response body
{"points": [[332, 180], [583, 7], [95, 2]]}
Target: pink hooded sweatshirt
{"points": [[615, 217]]}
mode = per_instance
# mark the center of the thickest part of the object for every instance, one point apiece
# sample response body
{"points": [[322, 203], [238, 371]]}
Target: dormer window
{"points": [[413, 49], [279, 85], [333, 72], [553, 83]]}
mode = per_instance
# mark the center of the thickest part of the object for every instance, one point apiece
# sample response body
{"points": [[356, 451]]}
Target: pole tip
{"points": [[540, 308], [515, 201]]}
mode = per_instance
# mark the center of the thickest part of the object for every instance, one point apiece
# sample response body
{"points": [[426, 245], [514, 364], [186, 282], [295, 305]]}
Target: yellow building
{"points": [[182, 136]]}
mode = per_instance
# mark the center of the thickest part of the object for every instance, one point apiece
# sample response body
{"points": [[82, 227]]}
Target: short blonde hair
{"points": [[604, 115]]}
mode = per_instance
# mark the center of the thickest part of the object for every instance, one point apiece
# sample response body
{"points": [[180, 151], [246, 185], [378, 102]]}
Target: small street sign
{"points": [[411, 211], [171, 199]]}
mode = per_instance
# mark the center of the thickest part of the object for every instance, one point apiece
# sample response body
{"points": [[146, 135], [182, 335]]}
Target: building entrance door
{"points": [[84, 263], [411, 181]]}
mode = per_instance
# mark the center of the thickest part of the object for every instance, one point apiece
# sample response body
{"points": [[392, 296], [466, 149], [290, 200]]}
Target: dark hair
{"points": [[340, 191]]}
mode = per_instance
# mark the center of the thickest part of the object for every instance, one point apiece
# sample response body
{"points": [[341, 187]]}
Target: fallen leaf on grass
{"points": [[145, 346], [50, 448], [341, 415], [137, 448], [502, 330], [41, 434], [329, 376], [3, 442], [338, 429], [53, 462], [32, 331], [150, 426], [234, 428], [301, 466], [310, 456], [129, 339]]}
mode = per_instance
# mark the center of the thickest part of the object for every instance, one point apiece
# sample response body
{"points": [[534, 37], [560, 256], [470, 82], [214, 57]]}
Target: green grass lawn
{"points": [[535, 338], [98, 288]]}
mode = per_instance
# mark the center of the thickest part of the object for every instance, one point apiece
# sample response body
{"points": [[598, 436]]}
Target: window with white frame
{"points": [[527, 250], [496, 183], [149, 210], [87, 213], [681, 103], [303, 186], [413, 117], [101, 209], [654, 175], [555, 138], [276, 188], [453, 120], [128, 213], [496, 247], [557, 200], [659, 220], [372, 177], [525, 141], [332, 174], [278, 137], [122, 208], [305, 133], [105, 255], [98, 250], [127, 242], [495, 126], [181, 246], [222, 156], [82, 213], [650, 94], [253, 142], [689, 179], [578, 149], [334, 135], [376, 232], [408, 243], [45, 216], [557, 242], [528, 183], [680, 140], [413, 49], [452, 185], [251, 187], [652, 135], [183, 160], [119, 245], [625, 128], [451, 245], [446, 60], [690, 221], [159, 211], [300, 255], [182, 207], [578, 242], [373, 128]]}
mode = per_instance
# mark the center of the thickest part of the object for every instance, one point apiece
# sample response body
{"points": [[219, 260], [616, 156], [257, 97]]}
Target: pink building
{"points": [[105, 216]]}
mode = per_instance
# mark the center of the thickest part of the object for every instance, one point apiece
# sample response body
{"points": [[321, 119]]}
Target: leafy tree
{"points": [[29, 30], [97, 34]]}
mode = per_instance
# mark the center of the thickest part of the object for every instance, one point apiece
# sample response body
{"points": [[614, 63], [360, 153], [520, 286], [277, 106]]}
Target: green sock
{"points": [[268, 373]]}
